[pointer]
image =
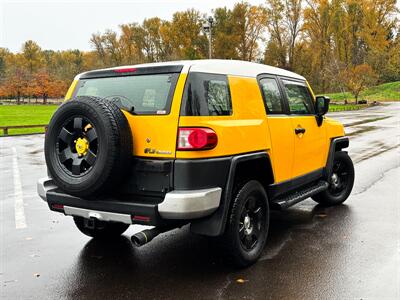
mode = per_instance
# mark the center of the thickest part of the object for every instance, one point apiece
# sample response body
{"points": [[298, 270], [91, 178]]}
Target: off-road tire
{"points": [[114, 146], [102, 230], [231, 241], [329, 197]]}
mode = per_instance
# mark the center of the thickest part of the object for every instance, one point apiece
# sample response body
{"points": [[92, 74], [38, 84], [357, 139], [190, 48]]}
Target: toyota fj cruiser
{"points": [[212, 143]]}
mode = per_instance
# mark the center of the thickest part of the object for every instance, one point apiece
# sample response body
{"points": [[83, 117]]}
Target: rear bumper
{"points": [[176, 205]]}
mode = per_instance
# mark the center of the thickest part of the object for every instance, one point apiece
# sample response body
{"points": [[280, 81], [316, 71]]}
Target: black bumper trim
{"points": [[139, 207]]}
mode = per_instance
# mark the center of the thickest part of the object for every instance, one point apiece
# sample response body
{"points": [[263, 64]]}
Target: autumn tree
{"points": [[33, 56], [293, 14], [4, 53], [317, 29], [16, 84], [186, 36], [277, 46], [358, 78], [97, 43], [45, 86], [249, 26], [224, 37]]}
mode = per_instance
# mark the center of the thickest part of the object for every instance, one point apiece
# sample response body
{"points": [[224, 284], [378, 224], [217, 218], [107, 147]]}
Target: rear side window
{"points": [[141, 94], [299, 98], [272, 96], [206, 95]]}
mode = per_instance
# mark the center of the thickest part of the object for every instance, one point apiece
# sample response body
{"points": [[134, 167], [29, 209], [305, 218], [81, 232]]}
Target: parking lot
{"points": [[346, 252]]}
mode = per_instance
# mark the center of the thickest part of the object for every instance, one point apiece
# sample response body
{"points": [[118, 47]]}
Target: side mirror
{"points": [[321, 108], [322, 105]]}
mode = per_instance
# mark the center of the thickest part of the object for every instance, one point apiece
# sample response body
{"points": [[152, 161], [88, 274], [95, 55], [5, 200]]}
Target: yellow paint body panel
{"points": [[246, 130], [334, 128], [158, 132], [310, 148], [282, 146], [71, 90]]}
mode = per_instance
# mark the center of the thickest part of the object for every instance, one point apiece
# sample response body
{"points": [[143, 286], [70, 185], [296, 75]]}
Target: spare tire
{"points": [[88, 146]]}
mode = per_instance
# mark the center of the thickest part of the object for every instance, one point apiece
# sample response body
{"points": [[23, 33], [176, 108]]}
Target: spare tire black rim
{"points": [[77, 146]]}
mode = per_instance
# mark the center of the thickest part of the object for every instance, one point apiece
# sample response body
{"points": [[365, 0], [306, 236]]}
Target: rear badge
{"points": [[155, 151]]}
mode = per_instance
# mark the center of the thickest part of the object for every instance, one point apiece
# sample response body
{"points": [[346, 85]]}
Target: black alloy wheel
{"points": [[252, 223], [247, 226], [339, 178], [341, 181]]}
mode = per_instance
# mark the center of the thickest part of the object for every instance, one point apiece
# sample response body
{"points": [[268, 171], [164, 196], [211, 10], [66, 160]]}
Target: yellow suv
{"points": [[211, 143]]}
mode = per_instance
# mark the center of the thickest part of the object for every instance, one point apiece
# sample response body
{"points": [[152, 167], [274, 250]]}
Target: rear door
{"points": [[150, 99], [309, 138], [280, 128]]}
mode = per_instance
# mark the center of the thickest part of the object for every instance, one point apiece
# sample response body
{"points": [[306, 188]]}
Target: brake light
{"points": [[58, 207], [141, 218], [125, 70], [196, 139]]}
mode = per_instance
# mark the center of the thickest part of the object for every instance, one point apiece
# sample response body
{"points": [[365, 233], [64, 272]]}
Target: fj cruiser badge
{"points": [[155, 151]]}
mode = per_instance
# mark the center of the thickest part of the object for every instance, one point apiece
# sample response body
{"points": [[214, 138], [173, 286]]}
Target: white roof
{"points": [[220, 66]]}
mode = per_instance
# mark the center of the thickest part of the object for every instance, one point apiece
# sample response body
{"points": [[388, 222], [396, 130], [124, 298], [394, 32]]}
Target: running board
{"points": [[299, 195]]}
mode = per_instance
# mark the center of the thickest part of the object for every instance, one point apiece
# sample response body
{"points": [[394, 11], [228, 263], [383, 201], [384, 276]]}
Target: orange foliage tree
{"points": [[44, 86], [359, 78], [15, 85]]}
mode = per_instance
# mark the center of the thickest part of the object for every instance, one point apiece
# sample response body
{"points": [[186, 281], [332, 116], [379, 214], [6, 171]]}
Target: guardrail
{"points": [[6, 128]]}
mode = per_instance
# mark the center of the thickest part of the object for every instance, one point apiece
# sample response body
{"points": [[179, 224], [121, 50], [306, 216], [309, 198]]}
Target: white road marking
{"points": [[20, 221]]}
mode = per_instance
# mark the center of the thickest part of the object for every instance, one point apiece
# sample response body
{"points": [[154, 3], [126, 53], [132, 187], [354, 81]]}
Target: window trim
{"points": [[285, 108], [296, 82]]}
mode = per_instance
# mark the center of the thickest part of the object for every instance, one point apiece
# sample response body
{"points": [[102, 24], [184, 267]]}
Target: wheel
{"points": [[341, 181], [100, 229], [247, 228], [88, 146]]}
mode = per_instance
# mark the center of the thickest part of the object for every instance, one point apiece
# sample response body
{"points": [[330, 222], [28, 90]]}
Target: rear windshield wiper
{"points": [[132, 110]]}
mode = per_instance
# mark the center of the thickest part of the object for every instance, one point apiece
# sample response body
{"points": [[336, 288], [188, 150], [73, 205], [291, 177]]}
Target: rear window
{"points": [[206, 95], [141, 94]]}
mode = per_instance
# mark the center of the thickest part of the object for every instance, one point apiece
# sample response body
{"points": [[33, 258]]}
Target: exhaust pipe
{"points": [[145, 236]]}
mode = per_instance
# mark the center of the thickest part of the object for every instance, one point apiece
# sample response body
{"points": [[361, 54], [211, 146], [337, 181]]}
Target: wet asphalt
{"points": [[350, 251]]}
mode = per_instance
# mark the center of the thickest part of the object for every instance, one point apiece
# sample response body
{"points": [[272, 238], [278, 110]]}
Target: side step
{"points": [[299, 195]]}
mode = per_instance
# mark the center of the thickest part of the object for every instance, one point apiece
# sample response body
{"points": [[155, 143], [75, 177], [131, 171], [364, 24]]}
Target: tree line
{"points": [[337, 44]]}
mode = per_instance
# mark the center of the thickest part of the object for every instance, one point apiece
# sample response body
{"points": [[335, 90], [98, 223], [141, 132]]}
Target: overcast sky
{"points": [[68, 24]]}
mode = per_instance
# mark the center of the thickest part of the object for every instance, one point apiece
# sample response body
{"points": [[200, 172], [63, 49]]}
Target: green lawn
{"points": [[342, 107], [384, 92], [25, 115]]}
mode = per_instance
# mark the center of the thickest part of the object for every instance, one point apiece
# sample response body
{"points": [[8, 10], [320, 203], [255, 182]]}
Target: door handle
{"points": [[299, 130]]}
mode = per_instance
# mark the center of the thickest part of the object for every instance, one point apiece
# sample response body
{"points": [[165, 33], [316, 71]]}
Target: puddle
{"points": [[383, 149], [367, 121], [362, 130]]}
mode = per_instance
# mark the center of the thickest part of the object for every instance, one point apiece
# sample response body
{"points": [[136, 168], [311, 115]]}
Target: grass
{"points": [[25, 115], [344, 107], [384, 92]]}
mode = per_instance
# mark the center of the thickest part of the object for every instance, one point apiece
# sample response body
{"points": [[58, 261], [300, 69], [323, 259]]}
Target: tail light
{"points": [[196, 139], [58, 207]]}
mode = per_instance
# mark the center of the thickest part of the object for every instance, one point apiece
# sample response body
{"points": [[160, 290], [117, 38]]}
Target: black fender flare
{"points": [[214, 225], [337, 144]]}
